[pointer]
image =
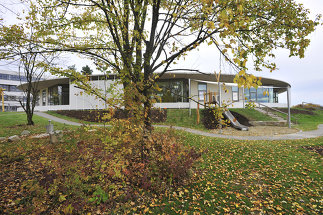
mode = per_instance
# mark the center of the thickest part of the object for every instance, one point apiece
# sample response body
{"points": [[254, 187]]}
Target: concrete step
{"points": [[269, 123], [269, 113]]}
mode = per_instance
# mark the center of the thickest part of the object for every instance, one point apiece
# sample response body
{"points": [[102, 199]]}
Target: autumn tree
{"points": [[17, 48], [138, 38]]}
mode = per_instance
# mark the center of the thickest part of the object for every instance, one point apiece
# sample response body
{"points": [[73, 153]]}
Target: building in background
{"points": [[9, 80]]}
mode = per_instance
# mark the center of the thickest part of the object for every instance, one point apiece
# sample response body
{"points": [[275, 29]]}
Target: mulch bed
{"points": [[157, 115], [242, 119]]}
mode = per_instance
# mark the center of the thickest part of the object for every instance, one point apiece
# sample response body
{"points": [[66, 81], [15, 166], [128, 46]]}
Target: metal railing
{"points": [[282, 112]]}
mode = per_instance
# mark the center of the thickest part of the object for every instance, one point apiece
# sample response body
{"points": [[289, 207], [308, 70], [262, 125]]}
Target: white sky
{"points": [[305, 75]]}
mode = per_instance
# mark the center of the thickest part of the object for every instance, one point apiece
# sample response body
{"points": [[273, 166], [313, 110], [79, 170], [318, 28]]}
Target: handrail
{"points": [[274, 109]]}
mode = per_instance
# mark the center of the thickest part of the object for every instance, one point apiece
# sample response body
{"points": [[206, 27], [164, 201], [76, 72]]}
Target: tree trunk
{"points": [[30, 119], [147, 110], [29, 111]]}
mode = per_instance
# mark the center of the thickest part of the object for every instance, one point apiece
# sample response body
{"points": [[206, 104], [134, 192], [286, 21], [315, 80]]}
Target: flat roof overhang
{"points": [[46, 83]]}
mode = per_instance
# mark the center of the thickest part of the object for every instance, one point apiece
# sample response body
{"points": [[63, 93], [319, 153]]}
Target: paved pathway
{"points": [[298, 135]]}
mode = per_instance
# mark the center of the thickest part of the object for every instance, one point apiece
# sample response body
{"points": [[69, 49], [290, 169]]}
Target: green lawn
{"points": [[181, 117], [13, 123], [250, 176], [233, 176], [252, 114], [306, 122]]}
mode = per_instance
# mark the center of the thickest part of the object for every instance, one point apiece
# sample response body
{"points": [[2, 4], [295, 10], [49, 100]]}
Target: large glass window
{"points": [[202, 89], [261, 95], [235, 94], [58, 95], [173, 90]]}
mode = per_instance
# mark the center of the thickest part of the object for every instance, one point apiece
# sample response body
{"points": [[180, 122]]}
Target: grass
{"points": [[233, 176], [309, 122], [305, 122], [252, 114], [250, 177], [181, 117], [13, 123]]}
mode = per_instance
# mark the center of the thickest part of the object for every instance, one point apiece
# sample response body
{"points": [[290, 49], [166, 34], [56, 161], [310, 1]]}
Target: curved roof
{"points": [[226, 78]]}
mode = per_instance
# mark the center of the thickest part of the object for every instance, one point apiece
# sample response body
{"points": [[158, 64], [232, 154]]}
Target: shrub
{"points": [[157, 115], [212, 118]]}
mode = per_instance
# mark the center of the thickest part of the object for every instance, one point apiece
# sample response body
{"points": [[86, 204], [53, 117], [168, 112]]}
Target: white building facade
{"points": [[178, 90]]}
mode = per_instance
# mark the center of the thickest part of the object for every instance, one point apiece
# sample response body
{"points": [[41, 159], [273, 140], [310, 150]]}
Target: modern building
{"points": [[176, 89], [9, 80]]}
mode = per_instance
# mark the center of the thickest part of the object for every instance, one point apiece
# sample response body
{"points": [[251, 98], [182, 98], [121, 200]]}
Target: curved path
{"points": [[295, 136]]}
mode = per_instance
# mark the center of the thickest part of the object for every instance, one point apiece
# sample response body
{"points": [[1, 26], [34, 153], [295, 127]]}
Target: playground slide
{"points": [[234, 122]]}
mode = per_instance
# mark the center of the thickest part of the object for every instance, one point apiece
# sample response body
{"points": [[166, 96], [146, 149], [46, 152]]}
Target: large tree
{"points": [[137, 38]]}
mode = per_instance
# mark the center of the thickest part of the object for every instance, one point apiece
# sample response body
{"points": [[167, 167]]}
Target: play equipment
{"points": [[227, 114], [234, 122]]}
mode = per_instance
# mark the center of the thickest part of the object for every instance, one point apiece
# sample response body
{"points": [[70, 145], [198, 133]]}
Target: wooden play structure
{"points": [[209, 100], [2, 98]]}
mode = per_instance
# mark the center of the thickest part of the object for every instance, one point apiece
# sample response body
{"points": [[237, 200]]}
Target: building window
{"points": [[44, 98], [261, 95], [4, 76], [235, 94], [58, 95], [173, 91], [4, 86], [202, 89]]}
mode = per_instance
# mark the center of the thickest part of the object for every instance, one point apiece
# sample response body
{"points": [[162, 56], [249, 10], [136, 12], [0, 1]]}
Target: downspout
{"points": [[288, 105], [189, 97], [243, 98], [220, 94]]}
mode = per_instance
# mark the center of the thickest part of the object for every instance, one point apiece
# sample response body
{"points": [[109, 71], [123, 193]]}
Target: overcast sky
{"points": [[305, 75]]}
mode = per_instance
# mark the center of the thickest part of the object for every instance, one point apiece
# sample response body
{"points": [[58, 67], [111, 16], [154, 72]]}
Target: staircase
{"points": [[269, 113], [280, 121]]}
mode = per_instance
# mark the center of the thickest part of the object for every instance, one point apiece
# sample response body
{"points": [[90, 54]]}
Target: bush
{"points": [[157, 115], [168, 163], [98, 172], [211, 118]]}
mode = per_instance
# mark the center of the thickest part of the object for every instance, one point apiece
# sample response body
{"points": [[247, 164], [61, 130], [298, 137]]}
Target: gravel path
{"points": [[294, 136]]}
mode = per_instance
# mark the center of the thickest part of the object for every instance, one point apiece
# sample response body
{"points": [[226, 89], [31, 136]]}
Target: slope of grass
{"points": [[305, 122], [13, 123], [242, 177], [309, 122], [252, 115]]}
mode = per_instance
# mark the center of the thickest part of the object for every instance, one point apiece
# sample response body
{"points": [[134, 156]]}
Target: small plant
{"points": [[99, 196], [250, 105]]}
